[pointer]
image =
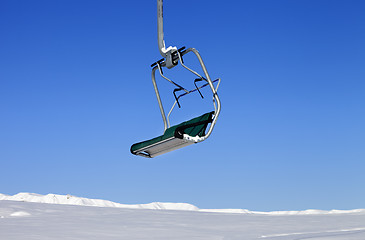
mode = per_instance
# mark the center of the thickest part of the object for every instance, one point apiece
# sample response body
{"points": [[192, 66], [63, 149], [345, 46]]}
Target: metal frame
{"points": [[169, 145], [216, 100], [171, 57]]}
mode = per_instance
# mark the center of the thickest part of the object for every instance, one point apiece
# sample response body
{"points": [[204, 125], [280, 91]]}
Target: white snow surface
{"points": [[73, 200], [30, 216]]}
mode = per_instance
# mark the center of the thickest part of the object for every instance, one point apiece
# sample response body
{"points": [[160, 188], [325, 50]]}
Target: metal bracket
{"points": [[167, 53]]}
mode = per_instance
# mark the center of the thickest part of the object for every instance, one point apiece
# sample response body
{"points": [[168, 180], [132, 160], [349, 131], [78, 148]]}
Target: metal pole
{"points": [[215, 95], [165, 52], [160, 36], [159, 98]]}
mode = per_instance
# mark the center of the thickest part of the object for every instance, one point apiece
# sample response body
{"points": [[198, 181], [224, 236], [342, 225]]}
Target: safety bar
{"points": [[197, 89], [187, 92], [183, 94], [176, 98]]}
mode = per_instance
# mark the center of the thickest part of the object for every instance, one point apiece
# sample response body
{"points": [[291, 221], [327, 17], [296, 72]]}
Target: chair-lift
{"points": [[189, 132]]}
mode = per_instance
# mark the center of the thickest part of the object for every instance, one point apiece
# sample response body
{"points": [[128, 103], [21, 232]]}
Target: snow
{"points": [[325, 233], [19, 214], [194, 139], [31, 216], [73, 200]]}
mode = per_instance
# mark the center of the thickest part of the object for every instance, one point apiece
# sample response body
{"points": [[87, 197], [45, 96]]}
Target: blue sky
{"points": [[75, 93]]}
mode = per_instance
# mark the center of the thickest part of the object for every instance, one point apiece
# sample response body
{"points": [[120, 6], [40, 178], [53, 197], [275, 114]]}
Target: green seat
{"points": [[173, 138]]}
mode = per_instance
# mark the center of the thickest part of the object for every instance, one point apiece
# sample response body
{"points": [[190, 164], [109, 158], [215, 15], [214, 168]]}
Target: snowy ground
{"points": [[28, 216]]}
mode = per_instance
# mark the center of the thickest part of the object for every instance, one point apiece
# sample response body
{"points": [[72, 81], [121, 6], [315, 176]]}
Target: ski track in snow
{"points": [[315, 235]]}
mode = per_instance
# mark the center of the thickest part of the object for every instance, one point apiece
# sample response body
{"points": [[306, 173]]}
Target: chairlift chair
{"points": [[189, 132]]}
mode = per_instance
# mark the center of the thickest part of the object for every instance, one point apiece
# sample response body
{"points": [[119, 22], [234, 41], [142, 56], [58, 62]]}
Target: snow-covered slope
{"points": [[73, 200], [40, 221]]}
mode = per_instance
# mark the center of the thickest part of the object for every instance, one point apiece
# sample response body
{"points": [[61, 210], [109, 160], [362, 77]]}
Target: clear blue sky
{"points": [[75, 93]]}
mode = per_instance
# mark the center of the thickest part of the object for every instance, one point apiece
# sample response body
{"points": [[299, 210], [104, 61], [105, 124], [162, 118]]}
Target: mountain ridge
{"points": [[80, 201]]}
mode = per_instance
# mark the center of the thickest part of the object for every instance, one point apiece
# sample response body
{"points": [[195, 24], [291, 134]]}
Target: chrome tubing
{"points": [[215, 94], [168, 115], [159, 98], [177, 85], [182, 64], [216, 100], [160, 35]]}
